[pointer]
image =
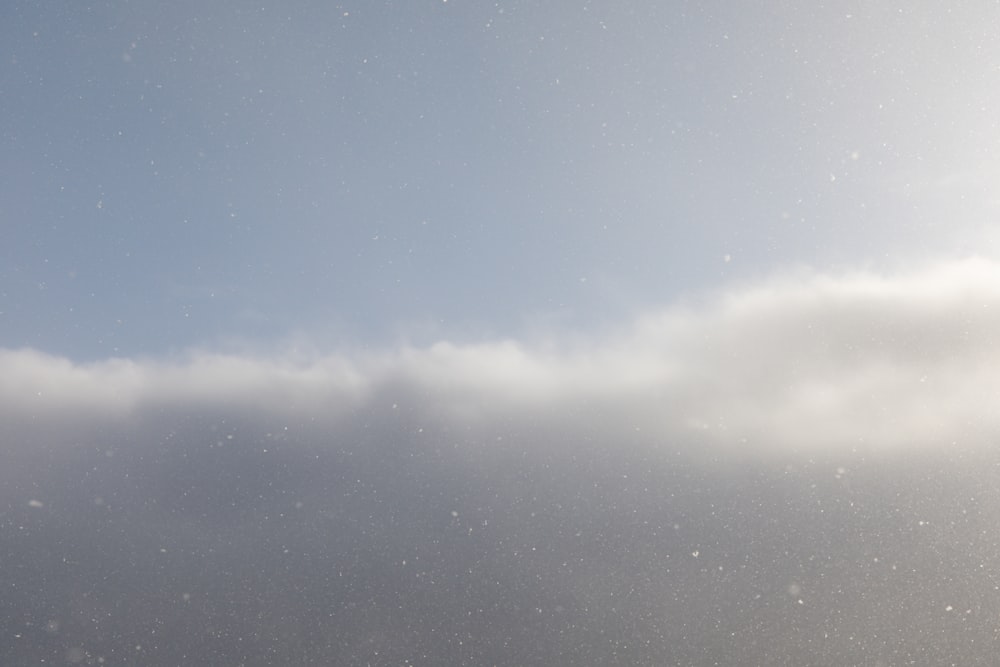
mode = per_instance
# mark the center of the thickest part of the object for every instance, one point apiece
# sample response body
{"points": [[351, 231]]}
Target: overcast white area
{"points": [[799, 361]]}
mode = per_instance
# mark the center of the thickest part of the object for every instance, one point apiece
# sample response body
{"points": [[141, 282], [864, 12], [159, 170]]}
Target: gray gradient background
{"points": [[217, 537]]}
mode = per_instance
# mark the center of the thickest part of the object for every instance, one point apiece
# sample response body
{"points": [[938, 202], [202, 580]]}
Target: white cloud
{"points": [[801, 360]]}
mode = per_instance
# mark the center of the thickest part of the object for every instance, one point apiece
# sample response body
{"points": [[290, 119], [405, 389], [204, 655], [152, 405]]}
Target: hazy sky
{"points": [[178, 175], [514, 333]]}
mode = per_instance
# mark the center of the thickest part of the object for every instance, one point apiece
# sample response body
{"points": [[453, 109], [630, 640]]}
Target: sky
{"points": [[375, 172], [454, 332]]}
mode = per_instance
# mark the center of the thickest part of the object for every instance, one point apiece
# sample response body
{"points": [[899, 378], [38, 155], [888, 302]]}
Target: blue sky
{"points": [[182, 175]]}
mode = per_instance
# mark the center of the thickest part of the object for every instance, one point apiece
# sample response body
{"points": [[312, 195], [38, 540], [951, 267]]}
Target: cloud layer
{"points": [[801, 360], [796, 472]]}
